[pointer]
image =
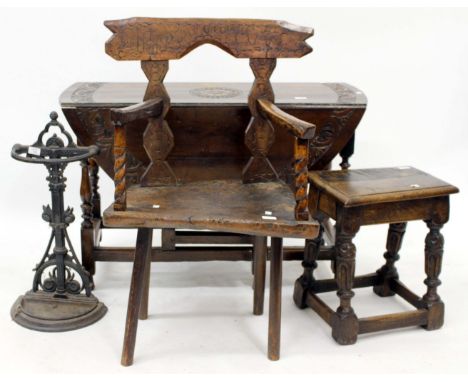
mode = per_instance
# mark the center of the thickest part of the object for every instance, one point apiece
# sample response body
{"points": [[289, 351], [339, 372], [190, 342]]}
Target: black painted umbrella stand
{"points": [[61, 297]]}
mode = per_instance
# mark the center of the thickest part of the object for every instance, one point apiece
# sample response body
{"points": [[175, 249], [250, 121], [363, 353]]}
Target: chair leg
{"points": [[388, 272], [143, 313], [274, 324], [260, 257], [142, 252], [434, 250], [345, 325], [252, 263]]}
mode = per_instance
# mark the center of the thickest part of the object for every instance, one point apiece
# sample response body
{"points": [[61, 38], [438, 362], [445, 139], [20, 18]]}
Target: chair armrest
{"points": [[144, 110], [120, 118], [300, 129]]}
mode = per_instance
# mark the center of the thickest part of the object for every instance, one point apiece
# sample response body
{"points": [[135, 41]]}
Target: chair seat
{"points": [[222, 205], [379, 185]]}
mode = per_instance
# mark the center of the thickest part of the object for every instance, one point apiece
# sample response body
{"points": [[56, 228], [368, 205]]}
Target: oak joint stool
{"points": [[354, 198]]}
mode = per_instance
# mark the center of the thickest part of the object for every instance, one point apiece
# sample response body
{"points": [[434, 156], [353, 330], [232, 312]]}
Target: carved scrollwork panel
{"points": [[328, 133]]}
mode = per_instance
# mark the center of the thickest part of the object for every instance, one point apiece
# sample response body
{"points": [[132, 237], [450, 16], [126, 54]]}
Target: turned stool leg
{"points": [[274, 324], [434, 250], [388, 272], [345, 324], [260, 257], [142, 252], [143, 313], [303, 283]]}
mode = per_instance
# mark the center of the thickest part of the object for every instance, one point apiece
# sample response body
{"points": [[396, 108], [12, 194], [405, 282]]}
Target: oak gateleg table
{"points": [[197, 111]]}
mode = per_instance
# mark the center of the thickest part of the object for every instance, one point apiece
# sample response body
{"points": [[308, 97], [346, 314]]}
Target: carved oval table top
{"points": [[208, 121], [116, 94]]}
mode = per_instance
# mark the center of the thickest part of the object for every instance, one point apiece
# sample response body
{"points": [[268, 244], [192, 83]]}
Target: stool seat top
{"points": [[379, 185]]}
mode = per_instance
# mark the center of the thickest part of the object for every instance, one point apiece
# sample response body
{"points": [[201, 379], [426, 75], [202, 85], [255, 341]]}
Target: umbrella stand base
{"points": [[47, 312]]}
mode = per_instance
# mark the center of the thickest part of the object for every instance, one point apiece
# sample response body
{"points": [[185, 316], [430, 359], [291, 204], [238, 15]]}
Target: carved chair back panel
{"points": [[219, 151], [155, 41]]}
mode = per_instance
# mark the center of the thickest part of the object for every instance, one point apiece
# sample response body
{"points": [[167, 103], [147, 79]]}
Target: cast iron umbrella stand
{"points": [[56, 302]]}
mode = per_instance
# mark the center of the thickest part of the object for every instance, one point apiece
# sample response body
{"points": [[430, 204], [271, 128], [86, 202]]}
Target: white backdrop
{"points": [[411, 64]]}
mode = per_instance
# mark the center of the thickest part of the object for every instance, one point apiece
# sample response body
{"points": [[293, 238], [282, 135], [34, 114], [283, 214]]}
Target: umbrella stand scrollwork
{"points": [[56, 302]]}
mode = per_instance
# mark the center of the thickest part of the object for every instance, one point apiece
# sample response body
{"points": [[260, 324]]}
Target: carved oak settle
{"points": [[259, 203]]}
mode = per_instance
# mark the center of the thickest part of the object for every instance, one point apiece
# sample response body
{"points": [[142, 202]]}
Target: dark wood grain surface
{"points": [[154, 39], [367, 186], [229, 206], [290, 94]]}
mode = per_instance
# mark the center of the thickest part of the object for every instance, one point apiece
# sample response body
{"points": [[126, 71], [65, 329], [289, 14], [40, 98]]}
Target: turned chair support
{"points": [[121, 118], [302, 131]]}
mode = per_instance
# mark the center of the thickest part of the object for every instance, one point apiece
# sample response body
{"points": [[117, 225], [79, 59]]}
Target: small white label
{"points": [[415, 186], [155, 205], [300, 97], [264, 217], [404, 168], [269, 213], [34, 150]]}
